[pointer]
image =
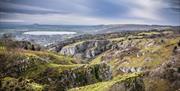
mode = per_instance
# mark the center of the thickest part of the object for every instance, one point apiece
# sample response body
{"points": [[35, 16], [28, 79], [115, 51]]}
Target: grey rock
{"points": [[88, 49], [131, 69]]}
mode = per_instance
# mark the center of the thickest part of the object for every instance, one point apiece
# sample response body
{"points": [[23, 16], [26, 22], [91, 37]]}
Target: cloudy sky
{"points": [[91, 11]]}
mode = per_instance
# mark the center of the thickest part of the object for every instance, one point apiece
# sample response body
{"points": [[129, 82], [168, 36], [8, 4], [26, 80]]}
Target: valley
{"points": [[143, 60]]}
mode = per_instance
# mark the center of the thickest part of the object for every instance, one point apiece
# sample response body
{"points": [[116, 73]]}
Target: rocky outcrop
{"points": [[131, 69], [88, 49], [14, 66], [80, 76], [135, 84]]}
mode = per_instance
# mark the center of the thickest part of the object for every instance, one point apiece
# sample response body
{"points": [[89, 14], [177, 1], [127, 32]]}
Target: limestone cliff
{"points": [[87, 49]]}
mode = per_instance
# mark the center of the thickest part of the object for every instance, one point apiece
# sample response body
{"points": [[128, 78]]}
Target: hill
{"points": [[120, 61]]}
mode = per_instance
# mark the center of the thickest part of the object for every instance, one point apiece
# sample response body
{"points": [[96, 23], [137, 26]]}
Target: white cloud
{"points": [[143, 9], [83, 12], [69, 19], [147, 9], [11, 20], [144, 14], [6, 5]]}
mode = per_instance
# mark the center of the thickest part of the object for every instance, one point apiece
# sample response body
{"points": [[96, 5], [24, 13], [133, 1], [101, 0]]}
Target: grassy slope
{"points": [[44, 60], [74, 44], [157, 53], [105, 86], [51, 60], [9, 83]]}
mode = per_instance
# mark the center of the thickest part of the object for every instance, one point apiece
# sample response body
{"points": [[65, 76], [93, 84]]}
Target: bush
{"points": [[179, 43]]}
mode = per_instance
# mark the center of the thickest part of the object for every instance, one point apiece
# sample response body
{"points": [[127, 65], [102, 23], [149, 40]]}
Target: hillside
{"points": [[120, 61]]}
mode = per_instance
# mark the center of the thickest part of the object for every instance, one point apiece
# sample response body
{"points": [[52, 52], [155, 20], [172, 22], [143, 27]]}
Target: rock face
{"points": [[135, 84], [88, 49], [131, 69], [80, 76]]}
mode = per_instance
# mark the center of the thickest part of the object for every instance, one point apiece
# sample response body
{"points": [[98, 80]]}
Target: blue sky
{"points": [[91, 12]]}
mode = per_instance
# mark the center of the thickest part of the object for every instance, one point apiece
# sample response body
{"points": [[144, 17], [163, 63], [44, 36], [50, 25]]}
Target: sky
{"points": [[90, 12]]}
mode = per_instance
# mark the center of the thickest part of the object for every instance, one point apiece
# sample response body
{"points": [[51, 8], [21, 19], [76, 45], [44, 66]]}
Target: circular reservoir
{"points": [[49, 33]]}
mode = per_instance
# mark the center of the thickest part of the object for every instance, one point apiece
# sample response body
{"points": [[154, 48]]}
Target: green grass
{"points": [[156, 84], [133, 36], [74, 44], [105, 86], [117, 39], [44, 55], [55, 58], [9, 83], [98, 60], [36, 87], [167, 32], [2, 48], [148, 33], [35, 71], [39, 61]]}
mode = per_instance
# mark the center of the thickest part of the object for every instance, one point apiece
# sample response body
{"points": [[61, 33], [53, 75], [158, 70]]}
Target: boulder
{"points": [[131, 69]]}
